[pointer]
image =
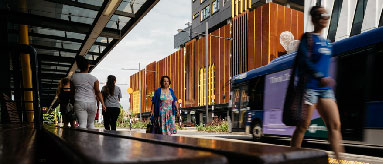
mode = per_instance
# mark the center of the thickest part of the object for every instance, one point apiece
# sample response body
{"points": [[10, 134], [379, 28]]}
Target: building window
{"points": [[215, 6], [202, 85], [211, 82], [196, 15], [334, 20], [205, 12], [381, 19], [136, 102], [358, 17]]}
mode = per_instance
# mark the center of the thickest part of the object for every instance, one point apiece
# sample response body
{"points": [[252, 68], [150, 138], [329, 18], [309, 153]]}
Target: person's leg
{"points": [[300, 130], [115, 112], [328, 109], [310, 100], [73, 124], [65, 120], [107, 119], [92, 110], [81, 114]]}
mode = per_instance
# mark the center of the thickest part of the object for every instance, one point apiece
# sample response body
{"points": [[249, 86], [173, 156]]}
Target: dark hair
{"points": [[82, 63], [109, 89], [314, 11], [162, 81], [62, 82]]}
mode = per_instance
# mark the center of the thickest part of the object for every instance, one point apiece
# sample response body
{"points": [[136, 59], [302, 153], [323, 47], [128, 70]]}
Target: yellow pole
{"points": [[26, 67]]}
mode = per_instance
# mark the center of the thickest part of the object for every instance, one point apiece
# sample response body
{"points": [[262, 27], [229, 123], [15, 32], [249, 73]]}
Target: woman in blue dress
{"points": [[164, 107]]}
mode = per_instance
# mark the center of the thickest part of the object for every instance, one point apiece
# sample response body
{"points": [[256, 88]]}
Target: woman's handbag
{"points": [[149, 127], [293, 112], [154, 126], [157, 126], [69, 108], [70, 111]]}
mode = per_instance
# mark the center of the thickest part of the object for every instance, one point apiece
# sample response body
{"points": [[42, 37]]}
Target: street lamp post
{"points": [[139, 84], [206, 62], [207, 70], [139, 88]]}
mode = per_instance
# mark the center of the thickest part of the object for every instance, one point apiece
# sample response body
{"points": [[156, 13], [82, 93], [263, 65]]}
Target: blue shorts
{"points": [[312, 95]]}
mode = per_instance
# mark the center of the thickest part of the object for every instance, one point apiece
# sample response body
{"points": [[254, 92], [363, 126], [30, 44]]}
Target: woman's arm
{"points": [[98, 102], [99, 95], [152, 109], [119, 94]]}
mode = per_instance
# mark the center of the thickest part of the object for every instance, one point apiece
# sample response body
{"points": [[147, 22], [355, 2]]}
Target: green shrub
{"points": [[180, 127], [215, 126]]}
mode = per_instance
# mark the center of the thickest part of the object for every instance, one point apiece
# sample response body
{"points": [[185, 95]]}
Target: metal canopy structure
{"points": [[61, 29]]}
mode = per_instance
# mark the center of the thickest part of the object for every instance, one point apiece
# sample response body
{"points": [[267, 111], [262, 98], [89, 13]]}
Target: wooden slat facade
{"points": [[219, 55], [256, 41], [265, 24], [240, 44]]}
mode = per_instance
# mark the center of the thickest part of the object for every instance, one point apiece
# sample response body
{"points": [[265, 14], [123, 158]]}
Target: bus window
{"points": [[356, 86], [244, 97], [255, 90], [375, 80]]}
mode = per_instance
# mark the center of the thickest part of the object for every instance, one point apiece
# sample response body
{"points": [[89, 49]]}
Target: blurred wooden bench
{"points": [[17, 144], [235, 152], [79, 146]]}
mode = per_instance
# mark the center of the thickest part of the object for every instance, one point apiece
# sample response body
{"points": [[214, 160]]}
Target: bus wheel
{"points": [[257, 132]]}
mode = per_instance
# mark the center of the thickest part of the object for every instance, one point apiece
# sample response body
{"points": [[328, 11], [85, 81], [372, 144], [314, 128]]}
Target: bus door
{"points": [[240, 106], [235, 108]]}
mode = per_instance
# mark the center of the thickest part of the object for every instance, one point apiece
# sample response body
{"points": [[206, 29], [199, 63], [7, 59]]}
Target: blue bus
{"points": [[257, 96]]}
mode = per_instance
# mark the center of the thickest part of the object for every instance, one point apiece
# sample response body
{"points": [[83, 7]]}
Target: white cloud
{"points": [[151, 40]]}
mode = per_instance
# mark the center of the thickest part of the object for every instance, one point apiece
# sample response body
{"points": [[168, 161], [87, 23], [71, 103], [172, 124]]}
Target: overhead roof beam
{"points": [[145, 8], [53, 37], [62, 49], [54, 48], [98, 27], [53, 70], [49, 85], [56, 58], [55, 64], [58, 24], [63, 38], [89, 7]]}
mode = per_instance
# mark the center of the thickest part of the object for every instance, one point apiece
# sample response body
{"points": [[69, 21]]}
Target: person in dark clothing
{"points": [[65, 93], [112, 96], [315, 53]]}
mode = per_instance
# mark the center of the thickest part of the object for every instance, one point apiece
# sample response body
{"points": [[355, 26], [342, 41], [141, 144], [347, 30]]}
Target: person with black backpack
{"points": [[112, 95], [312, 68]]}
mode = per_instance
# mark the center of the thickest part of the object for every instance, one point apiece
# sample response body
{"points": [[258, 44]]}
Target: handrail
{"points": [[27, 49]]}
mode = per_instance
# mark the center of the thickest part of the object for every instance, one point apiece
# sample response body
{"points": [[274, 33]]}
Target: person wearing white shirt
{"points": [[87, 93]]}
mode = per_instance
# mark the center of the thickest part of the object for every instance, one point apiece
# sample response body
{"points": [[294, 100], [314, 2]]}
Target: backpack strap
{"points": [[310, 43]]}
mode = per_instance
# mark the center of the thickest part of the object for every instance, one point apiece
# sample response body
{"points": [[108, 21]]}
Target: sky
{"points": [[152, 39]]}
